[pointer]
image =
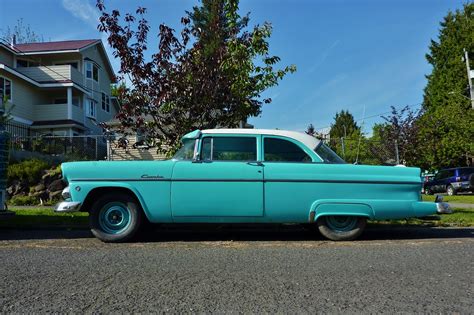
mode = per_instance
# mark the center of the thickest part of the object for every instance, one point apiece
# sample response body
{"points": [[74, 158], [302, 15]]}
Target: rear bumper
{"points": [[423, 208], [443, 208], [67, 206]]}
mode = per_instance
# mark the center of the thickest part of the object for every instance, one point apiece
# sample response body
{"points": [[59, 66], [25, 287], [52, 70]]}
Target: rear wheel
{"points": [[341, 228], [115, 217], [450, 190]]}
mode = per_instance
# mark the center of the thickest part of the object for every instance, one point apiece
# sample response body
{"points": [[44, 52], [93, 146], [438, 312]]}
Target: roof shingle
{"points": [[55, 46]]}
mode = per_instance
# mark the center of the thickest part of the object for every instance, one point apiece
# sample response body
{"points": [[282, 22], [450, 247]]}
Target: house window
{"points": [[21, 63], [105, 102], [5, 89], [91, 108], [92, 71]]}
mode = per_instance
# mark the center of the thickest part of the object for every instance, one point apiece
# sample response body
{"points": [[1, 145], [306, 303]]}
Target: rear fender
{"points": [[340, 207]]}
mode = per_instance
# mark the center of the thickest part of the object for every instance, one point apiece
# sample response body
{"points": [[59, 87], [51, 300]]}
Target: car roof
{"points": [[310, 141]]}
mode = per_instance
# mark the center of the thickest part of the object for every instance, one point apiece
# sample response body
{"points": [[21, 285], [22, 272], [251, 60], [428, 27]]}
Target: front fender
{"points": [[80, 190], [340, 207]]}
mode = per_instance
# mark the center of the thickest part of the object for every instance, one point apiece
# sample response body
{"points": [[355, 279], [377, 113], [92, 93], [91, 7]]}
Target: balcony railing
{"points": [[46, 112], [53, 74]]}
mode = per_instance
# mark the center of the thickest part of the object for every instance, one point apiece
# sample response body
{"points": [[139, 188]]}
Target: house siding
{"points": [[6, 57], [94, 53], [24, 96], [131, 153]]}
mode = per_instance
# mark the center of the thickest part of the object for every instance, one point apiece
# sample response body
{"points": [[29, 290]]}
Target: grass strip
{"points": [[46, 218]]}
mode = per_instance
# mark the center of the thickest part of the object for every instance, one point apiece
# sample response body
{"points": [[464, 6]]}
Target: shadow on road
{"points": [[236, 232]]}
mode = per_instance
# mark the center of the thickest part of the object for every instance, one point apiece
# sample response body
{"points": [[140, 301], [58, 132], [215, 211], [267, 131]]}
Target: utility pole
{"points": [[470, 76]]}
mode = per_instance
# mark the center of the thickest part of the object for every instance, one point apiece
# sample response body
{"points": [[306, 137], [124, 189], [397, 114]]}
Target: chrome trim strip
{"points": [[241, 180]]}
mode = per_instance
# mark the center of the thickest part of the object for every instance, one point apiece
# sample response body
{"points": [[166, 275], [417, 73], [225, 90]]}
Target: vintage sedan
{"points": [[243, 176]]}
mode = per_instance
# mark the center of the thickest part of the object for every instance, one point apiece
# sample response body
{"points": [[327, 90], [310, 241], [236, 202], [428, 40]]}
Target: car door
{"points": [[226, 180], [287, 165]]}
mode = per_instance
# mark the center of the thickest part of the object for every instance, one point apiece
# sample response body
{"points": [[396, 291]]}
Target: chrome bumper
{"points": [[443, 208], [67, 206]]}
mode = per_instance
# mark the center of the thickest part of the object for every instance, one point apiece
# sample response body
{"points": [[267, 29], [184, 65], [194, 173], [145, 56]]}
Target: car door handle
{"points": [[257, 163]]}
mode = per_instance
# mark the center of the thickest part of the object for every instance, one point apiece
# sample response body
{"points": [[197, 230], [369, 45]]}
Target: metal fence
{"points": [[19, 129], [66, 148]]}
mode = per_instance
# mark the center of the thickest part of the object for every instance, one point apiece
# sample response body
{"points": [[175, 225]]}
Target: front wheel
{"points": [[341, 228], [115, 217], [450, 190]]}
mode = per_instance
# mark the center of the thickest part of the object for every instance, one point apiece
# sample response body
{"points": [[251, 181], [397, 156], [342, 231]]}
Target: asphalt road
{"points": [[239, 270]]}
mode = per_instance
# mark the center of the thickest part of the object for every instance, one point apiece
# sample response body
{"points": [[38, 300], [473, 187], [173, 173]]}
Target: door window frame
{"points": [[257, 142], [310, 153]]}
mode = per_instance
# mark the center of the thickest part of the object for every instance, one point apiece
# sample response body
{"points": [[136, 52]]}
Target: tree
{"points": [[446, 126], [211, 75], [22, 33], [398, 133], [345, 137], [344, 126]]}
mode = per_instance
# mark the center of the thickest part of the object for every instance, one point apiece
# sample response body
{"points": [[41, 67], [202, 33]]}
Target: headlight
{"points": [[66, 194]]}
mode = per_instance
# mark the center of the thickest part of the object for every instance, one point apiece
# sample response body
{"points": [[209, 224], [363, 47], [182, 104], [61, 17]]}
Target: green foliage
{"points": [[345, 137], [447, 124], [23, 201], [212, 74], [28, 170], [5, 112]]}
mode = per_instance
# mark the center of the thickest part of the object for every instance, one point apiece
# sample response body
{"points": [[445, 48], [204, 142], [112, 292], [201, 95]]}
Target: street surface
{"points": [[237, 269]]}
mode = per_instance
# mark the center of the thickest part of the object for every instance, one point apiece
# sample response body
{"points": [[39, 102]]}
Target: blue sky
{"points": [[349, 54]]}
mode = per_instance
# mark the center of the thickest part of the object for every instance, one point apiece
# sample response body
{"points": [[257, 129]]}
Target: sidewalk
{"points": [[461, 205]]}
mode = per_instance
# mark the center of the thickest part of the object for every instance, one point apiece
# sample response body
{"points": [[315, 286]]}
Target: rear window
{"points": [[466, 171]]}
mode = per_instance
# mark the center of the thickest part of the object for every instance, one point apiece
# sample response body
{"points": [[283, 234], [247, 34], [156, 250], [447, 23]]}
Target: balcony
{"points": [[51, 112], [53, 74]]}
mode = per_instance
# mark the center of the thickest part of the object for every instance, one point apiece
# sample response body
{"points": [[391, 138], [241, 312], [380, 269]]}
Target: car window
{"points": [[186, 152], [229, 149], [279, 150], [466, 171]]}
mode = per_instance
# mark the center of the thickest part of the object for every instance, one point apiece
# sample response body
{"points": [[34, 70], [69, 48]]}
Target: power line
{"points": [[377, 115]]}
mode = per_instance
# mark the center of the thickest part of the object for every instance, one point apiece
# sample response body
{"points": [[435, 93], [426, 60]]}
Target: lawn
{"points": [[455, 199], [42, 218], [46, 218]]}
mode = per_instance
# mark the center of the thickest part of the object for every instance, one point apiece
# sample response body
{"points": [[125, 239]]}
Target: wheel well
{"points": [[97, 192]]}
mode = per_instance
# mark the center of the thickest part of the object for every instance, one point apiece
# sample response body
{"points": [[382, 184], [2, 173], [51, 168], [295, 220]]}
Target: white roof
{"points": [[304, 138]]}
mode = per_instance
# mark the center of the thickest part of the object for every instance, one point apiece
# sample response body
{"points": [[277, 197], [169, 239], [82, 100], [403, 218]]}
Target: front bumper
{"points": [[67, 206]]}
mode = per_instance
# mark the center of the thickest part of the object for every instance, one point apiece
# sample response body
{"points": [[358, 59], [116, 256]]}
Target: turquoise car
{"points": [[243, 176]]}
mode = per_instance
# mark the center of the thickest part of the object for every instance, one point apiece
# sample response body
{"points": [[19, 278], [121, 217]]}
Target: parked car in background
{"points": [[426, 178], [243, 176], [451, 181]]}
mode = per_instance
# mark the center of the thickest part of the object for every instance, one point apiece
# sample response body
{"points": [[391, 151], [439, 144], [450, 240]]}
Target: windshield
{"points": [[186, 152], [328, 155]]}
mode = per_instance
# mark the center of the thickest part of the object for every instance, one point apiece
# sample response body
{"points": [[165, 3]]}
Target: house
{"points": [[57, 88]]}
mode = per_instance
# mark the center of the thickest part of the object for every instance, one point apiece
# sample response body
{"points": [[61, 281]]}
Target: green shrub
{"points": [[28, 170], [24, 201]]}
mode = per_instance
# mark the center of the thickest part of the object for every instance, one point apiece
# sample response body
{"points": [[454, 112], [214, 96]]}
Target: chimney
{"points": [[13, 41]]}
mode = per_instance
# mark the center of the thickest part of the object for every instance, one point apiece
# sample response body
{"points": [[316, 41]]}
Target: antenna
{"points": [[360, 136]]}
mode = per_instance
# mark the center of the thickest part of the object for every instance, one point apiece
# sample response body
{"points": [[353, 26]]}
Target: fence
{"points": [[71, 148], [19, 129]]}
